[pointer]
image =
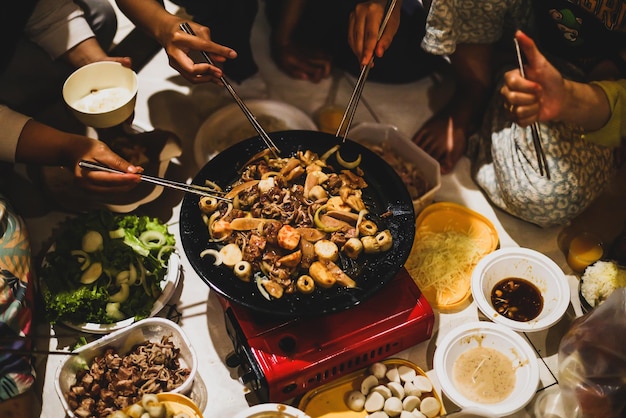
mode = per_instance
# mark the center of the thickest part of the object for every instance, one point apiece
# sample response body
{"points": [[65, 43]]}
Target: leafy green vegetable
{"points": [[124, 258]]}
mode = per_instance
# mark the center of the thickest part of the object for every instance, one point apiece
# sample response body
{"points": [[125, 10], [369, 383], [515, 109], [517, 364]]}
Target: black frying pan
{"points": [[385, 193]]}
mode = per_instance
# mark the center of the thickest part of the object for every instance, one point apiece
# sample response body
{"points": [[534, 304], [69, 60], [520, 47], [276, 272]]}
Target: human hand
{"points": [[364, 24], [100, 181], [302, 63], [178, 44], [540, 96]]}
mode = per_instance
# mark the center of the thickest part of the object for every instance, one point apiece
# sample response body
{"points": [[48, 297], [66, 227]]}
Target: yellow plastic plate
{"points": [[447, 216], [329, 401]]}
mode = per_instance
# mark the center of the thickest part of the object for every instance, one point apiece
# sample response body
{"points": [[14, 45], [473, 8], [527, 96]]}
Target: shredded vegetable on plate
{"points": [[104, 268]]}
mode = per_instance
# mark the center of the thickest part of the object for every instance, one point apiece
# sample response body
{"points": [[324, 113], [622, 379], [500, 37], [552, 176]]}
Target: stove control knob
{"points": [[287, 344], [250, 378], [233, 360]]}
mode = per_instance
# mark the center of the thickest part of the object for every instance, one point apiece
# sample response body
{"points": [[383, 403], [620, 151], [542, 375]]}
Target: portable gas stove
{"points": [[281, 359]]}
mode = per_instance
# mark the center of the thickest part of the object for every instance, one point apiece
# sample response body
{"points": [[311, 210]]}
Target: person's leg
{"points": [[230, 23]]}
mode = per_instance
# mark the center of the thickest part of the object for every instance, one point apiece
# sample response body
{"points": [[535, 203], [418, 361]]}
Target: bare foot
{"points": [[444, 135]]}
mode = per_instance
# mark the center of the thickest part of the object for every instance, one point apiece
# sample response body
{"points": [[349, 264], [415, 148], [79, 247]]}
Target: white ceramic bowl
{"points": [[532, 266], [495, 336], [101, 94], [150, 329]]}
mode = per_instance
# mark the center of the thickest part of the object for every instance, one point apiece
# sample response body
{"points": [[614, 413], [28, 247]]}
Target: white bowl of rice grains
{"points": [[101, 94], [486, 368], [521, 289]]}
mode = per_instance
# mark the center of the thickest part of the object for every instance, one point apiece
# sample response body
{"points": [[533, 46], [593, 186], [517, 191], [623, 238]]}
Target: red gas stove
{"points": [[281, 359]]}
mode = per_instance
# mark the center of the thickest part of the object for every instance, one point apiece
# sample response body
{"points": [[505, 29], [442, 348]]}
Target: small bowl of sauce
{"points": [[520, 288]]}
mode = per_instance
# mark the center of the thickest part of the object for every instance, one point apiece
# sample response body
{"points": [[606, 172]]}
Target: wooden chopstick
{"points": [[185, 27], [534, 129]]}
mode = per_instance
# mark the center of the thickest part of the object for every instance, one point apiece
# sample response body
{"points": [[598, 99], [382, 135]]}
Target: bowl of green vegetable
{"points": [[105, 271]]}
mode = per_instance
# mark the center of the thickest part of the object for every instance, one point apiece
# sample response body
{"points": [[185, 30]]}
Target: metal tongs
{"points": [[189, 188], [353, 103], [257, 126], [534, 128]]}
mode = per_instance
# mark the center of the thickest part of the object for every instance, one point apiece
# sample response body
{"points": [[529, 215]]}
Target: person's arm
{"points": [[155, 20], [43, 145], [25, 140]]}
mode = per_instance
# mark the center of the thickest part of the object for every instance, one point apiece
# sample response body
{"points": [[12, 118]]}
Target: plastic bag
{"points": [[592, 361]]}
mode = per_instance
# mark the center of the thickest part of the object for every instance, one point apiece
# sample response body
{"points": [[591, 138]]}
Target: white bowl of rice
{"points": [[598, 282], [101, 94]]}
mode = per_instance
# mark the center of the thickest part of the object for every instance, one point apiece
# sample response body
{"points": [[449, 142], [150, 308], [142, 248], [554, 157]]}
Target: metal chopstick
{"points": [[348, 115], [257, 126], [536, 133], [190, 188]]}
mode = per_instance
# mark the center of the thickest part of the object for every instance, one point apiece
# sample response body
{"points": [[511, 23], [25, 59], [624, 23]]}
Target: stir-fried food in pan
{"points": [[292, 221]]}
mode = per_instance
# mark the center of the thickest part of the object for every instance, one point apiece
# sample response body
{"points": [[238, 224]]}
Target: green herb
{"points": [[132, 251]]}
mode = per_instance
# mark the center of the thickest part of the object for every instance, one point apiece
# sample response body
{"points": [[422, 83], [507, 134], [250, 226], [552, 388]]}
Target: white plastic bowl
{"points": [[101, 94], [527, 264], [150, 329], [489, 335], [229, 125]]}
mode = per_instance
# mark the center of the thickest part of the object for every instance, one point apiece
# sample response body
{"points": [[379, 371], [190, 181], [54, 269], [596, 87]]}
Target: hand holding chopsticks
{"points": [[541, 156], [257, 126], [189, 188], [348, 116]]}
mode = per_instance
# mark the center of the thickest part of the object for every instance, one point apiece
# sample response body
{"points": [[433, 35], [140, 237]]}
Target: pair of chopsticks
{"points": [[353, 103], [257, 126], [189, 188], [542, 162]]}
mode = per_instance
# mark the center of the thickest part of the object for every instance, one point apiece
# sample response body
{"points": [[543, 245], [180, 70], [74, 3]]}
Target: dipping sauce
{"points": [[484, 375], [517, 299]]}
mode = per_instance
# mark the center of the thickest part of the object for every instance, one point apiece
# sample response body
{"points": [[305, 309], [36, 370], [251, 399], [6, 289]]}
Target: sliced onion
{"points": [[217, 257], [328, 153], [362, 214], [152, 239], [348, 164], [259, 284], [163, 250]]}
